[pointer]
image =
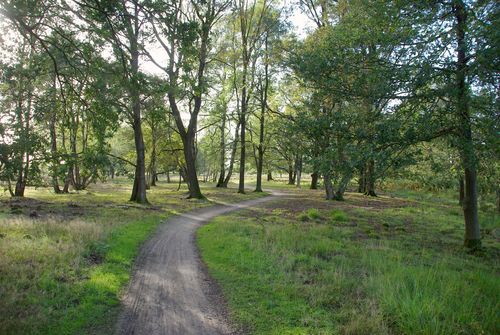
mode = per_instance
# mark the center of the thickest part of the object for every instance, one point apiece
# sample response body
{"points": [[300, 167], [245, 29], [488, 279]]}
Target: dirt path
{"points": [[170, 293]]}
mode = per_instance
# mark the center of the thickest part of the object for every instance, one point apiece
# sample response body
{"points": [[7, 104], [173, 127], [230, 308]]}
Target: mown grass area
{"points": [[302, 265], [65, 259]]}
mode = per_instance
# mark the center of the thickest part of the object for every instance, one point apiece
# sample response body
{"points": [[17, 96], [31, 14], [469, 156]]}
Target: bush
{"points": [[303, 217], [313, 214], [338, 215], [96, 252]]}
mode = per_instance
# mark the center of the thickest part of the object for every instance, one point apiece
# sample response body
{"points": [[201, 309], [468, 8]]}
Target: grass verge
{"points": [[363, 266]]}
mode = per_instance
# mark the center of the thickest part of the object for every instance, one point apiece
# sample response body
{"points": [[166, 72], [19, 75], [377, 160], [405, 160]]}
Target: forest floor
{"points": [[65, 259], [387, 265], [294, 265]]}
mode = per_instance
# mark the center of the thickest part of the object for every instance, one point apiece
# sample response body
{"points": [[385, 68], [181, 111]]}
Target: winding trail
{"points": [[170, 292]]}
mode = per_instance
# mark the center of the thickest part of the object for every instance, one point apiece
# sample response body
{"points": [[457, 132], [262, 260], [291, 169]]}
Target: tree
{"points": [[184, 32], [250, 17], [120, 24]]}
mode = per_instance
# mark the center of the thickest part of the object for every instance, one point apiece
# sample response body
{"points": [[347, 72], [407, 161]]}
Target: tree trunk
{"points": [[291, 179], [20, 184], [233, 156], [269, 175], [339, 195], [263, 107], [370, 179], [362, 180], [314, 181], [330, 195], [53, 141], [53, 152], [472, 237], [222, 149], [245, 53], [23, 169], [461, 192], [241, 184], [67, 182], [191, 175], [139, 188], [258, 185], [180, 180], [152, 165], [299, 171], [260, 148]]}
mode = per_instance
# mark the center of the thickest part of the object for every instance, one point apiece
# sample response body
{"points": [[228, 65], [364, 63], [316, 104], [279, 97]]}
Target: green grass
{"points": [[98, 293], [310, 214], [338, 215], [63, 271], [383, 266]]}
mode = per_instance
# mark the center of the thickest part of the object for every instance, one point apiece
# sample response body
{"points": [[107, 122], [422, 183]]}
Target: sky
{"points": [[300, 24]]}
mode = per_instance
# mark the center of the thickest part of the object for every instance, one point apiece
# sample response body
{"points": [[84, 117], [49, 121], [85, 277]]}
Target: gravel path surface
{"points": [[170, 292]]}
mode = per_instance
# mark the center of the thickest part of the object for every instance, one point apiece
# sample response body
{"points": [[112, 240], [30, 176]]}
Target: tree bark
{"points": [[222, 148], [291, 179], [191, 175], [362, 179], [472, 237], [260, 147], [139, 188], [370, 179], [53, 141], [241, 184], [53, 152], [314, 181], [263, 107], [233, 156], [23, 170], [339, 195], [299, 171], [461, 192], [152, 165], [330, 195], [244, 100]]}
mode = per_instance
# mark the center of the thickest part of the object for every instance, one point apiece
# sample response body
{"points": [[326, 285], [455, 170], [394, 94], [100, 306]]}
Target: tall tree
{"points": [[250, 17], [183, 30], [120, 23]]}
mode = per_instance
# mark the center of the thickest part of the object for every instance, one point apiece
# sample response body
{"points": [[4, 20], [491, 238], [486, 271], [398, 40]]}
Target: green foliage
{"points": [[338, 215], [310, 214], [313, 214]]}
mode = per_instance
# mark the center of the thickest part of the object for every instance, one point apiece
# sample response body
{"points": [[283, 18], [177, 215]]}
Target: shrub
{"points": [[303, 217], [96, 252], [338, 215], [313, 213]]}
